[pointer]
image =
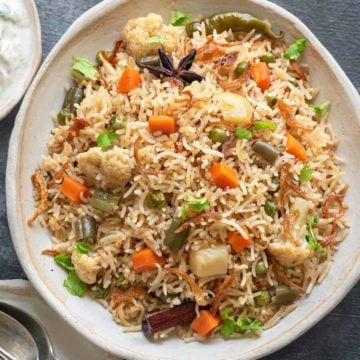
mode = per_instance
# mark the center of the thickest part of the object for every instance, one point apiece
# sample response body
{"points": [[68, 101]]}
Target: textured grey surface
{"points": [[335, 22]]}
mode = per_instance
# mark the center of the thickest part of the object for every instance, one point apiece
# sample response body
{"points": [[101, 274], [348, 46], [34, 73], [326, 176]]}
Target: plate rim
{"points": [[13, 167]]}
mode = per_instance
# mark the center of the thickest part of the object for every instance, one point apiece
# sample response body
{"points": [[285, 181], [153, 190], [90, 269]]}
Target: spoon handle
{"points": [[52, 355], [4, 355]]}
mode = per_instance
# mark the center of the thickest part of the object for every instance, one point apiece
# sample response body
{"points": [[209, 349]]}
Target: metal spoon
{"points": [[38, 332], [15, 341]]}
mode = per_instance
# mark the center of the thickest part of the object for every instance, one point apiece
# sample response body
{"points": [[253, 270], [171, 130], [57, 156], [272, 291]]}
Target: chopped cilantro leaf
{"points": [[305, 174], [295, 49], [82, 247], [178, 18], [64, 261], [242, 133], [106, 139], [74, 285]]}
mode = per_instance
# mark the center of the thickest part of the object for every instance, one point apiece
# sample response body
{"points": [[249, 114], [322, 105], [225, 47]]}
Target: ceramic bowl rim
{"points": [[13, 193]]}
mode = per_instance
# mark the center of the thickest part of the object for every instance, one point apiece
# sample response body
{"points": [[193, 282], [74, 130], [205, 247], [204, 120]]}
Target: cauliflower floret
{"points": [[136, 34], [106, 169], [86, 267], [288, 254]]}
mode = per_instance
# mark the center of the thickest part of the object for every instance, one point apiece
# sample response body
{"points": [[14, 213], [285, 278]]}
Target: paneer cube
{"points": [[209, 261]]}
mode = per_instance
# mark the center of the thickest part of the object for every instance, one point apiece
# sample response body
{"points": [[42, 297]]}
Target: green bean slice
{"points": [[85, 229], [267, 151], [104, 201], [173, 240]]}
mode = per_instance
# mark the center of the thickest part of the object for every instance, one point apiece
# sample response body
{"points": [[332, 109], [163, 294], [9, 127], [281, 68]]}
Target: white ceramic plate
{"points": [[98, 29], [32, 44]]}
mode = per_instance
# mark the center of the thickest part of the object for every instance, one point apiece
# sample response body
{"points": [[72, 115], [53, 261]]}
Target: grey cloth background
{"points": [[336, 24]]}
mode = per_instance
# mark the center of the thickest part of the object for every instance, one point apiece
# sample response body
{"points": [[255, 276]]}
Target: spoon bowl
{"points": [[39, 335], [15, 340]]}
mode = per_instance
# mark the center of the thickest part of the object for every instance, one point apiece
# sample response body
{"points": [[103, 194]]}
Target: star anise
{"points": [[167, 69]]}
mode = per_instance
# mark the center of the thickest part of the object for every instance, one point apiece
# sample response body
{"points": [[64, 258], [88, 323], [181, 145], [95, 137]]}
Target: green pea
{"points": [[218, 135], [156, 199], [268, 58], [263, 298], [64, 116], [241, 67], [260, 268], [270, 208], [117, 122]]}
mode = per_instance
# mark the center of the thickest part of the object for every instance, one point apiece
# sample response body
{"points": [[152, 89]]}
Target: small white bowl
{"points": [[24, 76], [98, 29]]}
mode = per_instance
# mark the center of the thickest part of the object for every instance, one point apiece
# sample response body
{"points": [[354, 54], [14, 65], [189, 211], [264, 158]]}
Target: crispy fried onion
{"points": [[235, 84], [195, 288], [229, 143], [119, 297], [173, 80], [331, 199], [209, 51], [50, 252], [299, 71], [287, 183], [76, 127], [139, 164], [39, 182], [59, 174], [230, 127], [221, 292], [281, 277], [330, 238], [288, 225], [227, 45], [198, 219], [112, 57], [102, 77], [190, 101], [227, 60], [288, 115]]}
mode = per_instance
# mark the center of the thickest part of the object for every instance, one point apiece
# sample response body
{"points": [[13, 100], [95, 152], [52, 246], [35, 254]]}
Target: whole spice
{"points": [[168, 318], [168, 70]]}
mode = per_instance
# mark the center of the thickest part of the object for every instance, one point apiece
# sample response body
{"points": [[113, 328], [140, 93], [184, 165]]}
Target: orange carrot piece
{"points": [[237, 241], [294, 147], [261, 75], [129, 80], [222, 175], [146, 259], [72, 189], [163, 123], [206, 322]]}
